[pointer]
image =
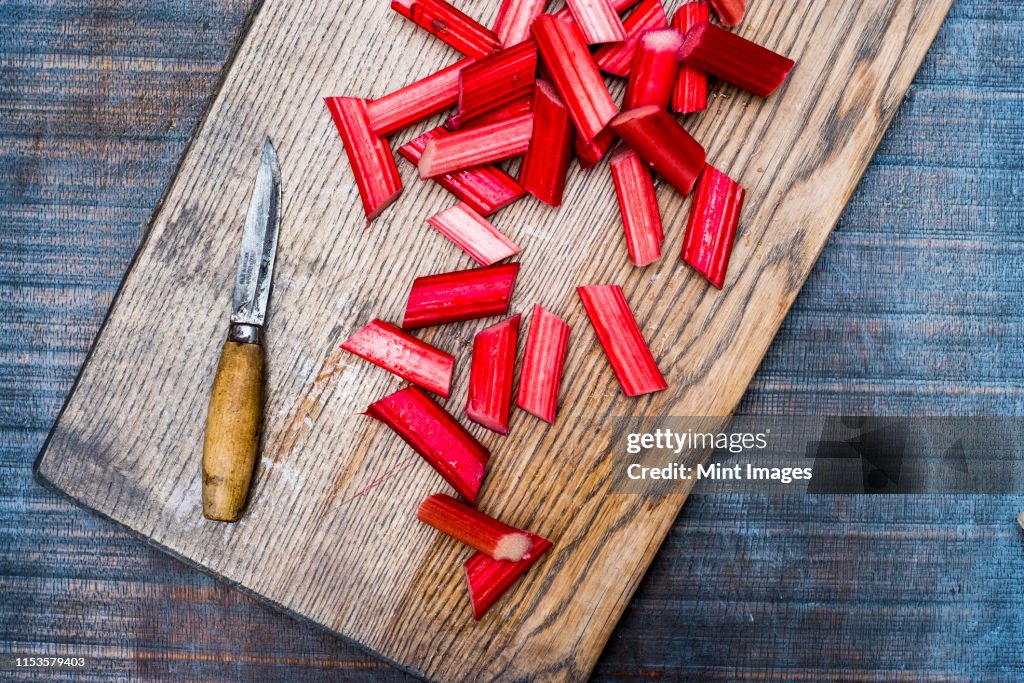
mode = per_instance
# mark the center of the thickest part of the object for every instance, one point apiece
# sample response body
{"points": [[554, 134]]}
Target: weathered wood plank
{"points": [[126, 442]]}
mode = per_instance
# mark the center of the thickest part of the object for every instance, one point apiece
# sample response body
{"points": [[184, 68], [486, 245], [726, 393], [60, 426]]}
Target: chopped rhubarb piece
{"points": [[490, 376], [730, 12], [638, 205], [497, 80], [653, 74], [565, 14], [711, 230], [460, 295], [476, 146], [541, 376], [389, 347], [480, 532], [450, 25], [620, 336], [574, 75], [474, 234], [590, 152], [658, 138], [373, 164], [691, 91], [514, 19], [598, 21], [509, 110], [616, 58], [437, 436], [488, 578], [734, 59], [485, 189], [417, 101], [547, 160]]}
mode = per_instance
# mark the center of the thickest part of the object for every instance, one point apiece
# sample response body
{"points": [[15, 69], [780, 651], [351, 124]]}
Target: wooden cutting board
{"points": [[331, 534]]}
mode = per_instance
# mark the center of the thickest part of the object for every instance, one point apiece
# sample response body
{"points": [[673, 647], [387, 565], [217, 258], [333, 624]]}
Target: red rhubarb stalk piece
{"points": [[655, 67], [480, 532], [388, 347], [460, 295], [598, 21], [565, 14], [485, 189], [730, 12], [574, 75], [476, 146], [658, 138], [488, 578], [474, 234], [616, 58], [450, 25], [547, 160], [620, 336], [514, 18], [509, 110], [496, 80], [373, 164], [734, 59], [589, 152], [437, 436], [541, 376], [490, 375], [711, 229], [691, 91], [417, 101], [638, 205]]}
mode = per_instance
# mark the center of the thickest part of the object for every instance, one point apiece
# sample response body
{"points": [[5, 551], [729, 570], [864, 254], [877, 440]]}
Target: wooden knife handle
{"points": [[232, 430]]}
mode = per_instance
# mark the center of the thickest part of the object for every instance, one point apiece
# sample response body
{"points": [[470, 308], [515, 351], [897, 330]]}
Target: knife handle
{"points": [[233, 425]]}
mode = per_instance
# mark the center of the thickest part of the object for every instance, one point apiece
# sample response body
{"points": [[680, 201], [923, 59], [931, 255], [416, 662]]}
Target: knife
{"points": [[235, 413]]}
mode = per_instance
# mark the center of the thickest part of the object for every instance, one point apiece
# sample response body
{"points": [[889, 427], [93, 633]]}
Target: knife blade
{"points": [[235, 412]]}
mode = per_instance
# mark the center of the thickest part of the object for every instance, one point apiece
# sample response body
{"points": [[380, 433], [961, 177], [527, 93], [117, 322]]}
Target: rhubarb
{"points": [[691, 91], [734, 59], [485, 189], [730, 12], [373, 164], [474, 234], [541, 375], [509, 110], [658, 138], [490, 375], [574, 75], [547, 160], [480, 532], [616, 58], [711, 229], [460, 295], [620, 6], [621, 339], [638, 205], [437, 436], [450, 25], [514, 18], [388, 347], [589, 152], [489, 579], [652, 76], [417, 101], [597, 20], [477, 146], [497, 80]]}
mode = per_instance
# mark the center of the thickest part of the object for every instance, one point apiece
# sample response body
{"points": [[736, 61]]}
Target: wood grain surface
{"points": [[779, 386]]}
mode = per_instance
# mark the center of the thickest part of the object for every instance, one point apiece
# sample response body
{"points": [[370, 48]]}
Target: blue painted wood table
{"points": [[914, 308]]}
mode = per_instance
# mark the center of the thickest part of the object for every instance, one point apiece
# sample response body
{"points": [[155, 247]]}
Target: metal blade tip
{"points": [[270, 158]]}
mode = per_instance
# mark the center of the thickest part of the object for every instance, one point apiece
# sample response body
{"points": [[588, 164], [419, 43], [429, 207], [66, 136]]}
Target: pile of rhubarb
{"points": [[532, 88]]}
